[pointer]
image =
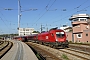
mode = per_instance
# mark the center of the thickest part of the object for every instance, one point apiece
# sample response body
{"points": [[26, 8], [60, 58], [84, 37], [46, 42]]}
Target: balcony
{"points": [[79, 22]]}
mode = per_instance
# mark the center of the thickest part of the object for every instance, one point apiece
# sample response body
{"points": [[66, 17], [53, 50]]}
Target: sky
{"points": [[34, 13]]}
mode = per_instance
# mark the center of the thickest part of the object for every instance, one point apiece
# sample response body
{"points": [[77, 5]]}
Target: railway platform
{"points": [[19, 51]]}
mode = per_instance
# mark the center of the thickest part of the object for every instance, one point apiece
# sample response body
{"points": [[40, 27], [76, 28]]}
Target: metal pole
{"points": [[41, 27], [18, 14]]}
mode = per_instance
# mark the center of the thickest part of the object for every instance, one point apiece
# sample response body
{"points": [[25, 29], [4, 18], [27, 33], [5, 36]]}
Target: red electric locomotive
{"points": [[54, 37]]}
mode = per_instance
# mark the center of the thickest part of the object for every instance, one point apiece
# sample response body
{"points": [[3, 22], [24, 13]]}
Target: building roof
{"points": [[68, 28], [79, 16]]}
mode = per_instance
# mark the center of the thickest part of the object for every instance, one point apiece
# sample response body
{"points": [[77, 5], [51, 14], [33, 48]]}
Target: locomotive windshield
{"points": [[60, 34]]}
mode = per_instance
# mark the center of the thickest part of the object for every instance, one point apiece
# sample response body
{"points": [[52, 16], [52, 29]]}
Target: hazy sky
{"points": [[49, 13]]}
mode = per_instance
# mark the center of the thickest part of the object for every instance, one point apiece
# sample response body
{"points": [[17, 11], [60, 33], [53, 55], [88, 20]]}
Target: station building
{"points": [[80, 28], [25, 31]]}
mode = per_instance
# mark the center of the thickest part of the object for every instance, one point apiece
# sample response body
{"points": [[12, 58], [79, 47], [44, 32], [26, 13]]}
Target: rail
{"points": [[39, 56], [5, 47]]}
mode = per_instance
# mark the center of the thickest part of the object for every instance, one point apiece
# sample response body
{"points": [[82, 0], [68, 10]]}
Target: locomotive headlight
{"points": [[56, 40]]}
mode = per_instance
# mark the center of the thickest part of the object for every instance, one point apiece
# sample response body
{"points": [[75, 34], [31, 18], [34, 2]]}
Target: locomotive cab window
{"points": [[60, 34]]}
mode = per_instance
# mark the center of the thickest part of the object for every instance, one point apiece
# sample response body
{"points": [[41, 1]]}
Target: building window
{"points": [[79, 35], [82, 19], [76, 25], [75, 20], [27, 29], [86, 34], [20, 29], [21, 32]]}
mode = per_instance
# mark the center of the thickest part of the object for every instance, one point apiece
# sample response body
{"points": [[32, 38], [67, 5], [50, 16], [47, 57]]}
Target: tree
{"points": [[35, 32]]}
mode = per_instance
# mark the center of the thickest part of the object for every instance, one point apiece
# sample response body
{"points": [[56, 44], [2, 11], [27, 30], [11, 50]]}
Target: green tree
{"points": [[35, 32]]}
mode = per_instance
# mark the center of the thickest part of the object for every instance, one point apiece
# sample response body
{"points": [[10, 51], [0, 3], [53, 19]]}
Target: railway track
{"points": [[76, 54], [5, 46], [85, 48], [44, 51], [70, 53], [1, 42], [79, 51]]}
